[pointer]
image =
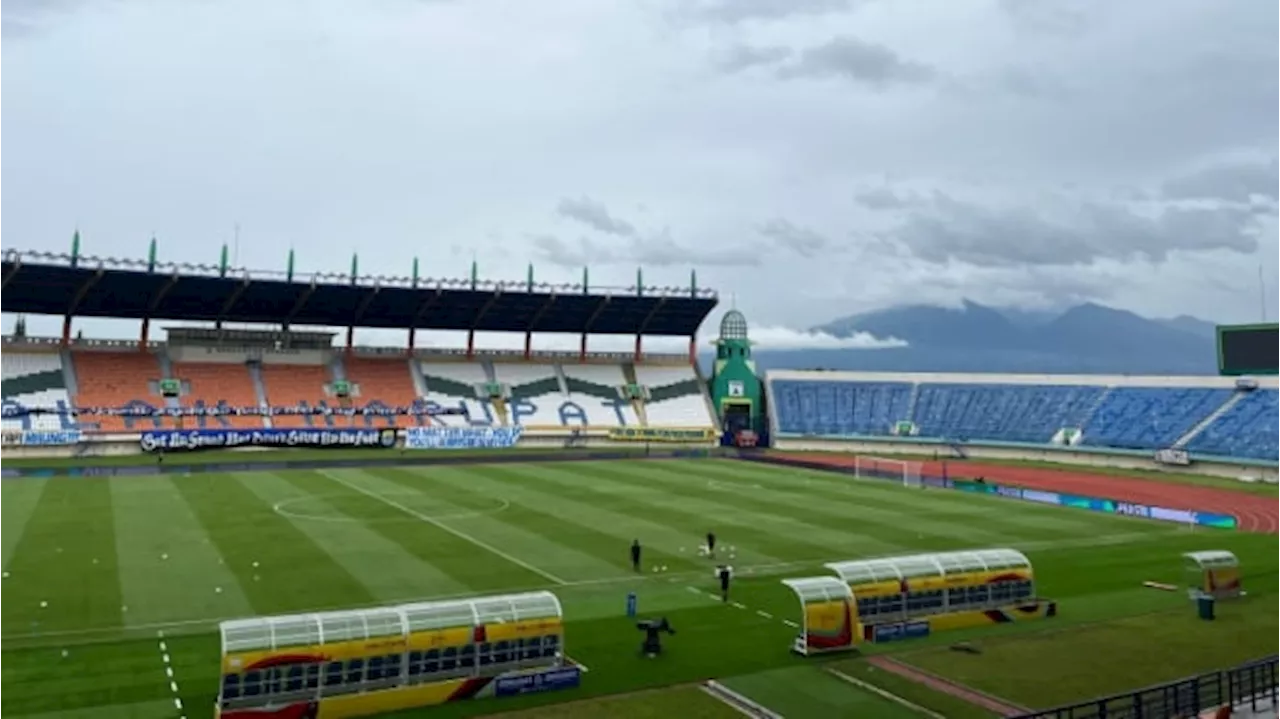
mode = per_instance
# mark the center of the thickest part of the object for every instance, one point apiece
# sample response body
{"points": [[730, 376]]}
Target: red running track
{"points": [[1254, 513]]}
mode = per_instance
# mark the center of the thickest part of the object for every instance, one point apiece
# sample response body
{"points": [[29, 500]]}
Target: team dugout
{"points": [[899, 589], [274, 661]]}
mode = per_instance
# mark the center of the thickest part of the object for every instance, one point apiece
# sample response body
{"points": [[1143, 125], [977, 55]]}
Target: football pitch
{"points": [[112, 588]]}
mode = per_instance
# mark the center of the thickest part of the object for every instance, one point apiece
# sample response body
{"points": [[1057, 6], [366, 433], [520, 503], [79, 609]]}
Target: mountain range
{"points": [[1086, 339]]}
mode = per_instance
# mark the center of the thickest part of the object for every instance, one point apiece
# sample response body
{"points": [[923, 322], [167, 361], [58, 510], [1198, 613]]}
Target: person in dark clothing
{"points": [[711, 544], [635, 555], [725, 573]]}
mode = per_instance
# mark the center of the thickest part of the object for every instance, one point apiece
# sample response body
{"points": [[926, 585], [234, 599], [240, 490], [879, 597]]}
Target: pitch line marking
{"points": [[761, 570], [168, 670], [444, 527]]}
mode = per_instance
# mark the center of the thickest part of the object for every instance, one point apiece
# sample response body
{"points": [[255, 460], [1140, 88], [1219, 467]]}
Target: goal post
{"points": [[898, 470]]}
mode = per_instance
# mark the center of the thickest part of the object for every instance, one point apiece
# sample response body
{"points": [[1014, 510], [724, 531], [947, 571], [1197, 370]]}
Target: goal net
{"points": [[897, 470]]}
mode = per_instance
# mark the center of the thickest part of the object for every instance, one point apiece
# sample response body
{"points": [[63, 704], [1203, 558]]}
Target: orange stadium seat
{"points": [[212, 382], [292, 385], [383, 380], [115, 379]]}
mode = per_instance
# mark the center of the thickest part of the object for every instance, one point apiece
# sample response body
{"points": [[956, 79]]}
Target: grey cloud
{"points": [[1230, 181], [594, 215], [800, 240], [946, 229], [862, 62], [744, 57], [880, 198], [1051, 17], [659, 250], [736, 11]]}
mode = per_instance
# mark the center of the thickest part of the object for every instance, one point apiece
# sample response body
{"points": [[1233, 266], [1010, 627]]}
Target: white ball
{"points": [[664, 567], [164, 556], [43, 604], [6, 575], [124, 608], [65, 653], [95, 560], [218, 590], [255, 565], [655, 568]]}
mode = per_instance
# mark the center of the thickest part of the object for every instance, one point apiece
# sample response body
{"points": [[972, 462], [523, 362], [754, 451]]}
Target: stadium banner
{"points": [[39, 438], [1176, 457], [462, 437], [188, 440], [544, 681], [1098, 504], [660, 434]]}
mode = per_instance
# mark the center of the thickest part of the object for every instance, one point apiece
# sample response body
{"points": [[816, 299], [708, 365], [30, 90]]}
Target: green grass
{"points": [[234, 456], [911, 691], [682, 702], [118, 560]]}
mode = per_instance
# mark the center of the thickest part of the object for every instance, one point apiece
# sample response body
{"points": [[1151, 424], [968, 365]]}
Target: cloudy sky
{"points": [[810, 158]]}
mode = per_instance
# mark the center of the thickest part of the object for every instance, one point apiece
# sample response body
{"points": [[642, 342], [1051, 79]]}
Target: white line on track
{"points": [[168, 671], [444, 527]]}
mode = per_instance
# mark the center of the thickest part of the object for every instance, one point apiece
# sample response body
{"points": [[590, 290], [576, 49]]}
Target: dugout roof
{"points": [[319, 629], [939, 564], [92, 287]]}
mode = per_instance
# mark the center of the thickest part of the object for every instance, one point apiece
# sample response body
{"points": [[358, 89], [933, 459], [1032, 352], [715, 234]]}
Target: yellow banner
{"points": [[660, 434]]}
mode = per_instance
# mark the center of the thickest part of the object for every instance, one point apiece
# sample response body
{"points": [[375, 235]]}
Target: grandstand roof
{"points": [[94, 287]]}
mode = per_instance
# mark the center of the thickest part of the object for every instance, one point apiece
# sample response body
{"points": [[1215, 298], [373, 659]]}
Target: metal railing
{"points": [[1248, 685]]}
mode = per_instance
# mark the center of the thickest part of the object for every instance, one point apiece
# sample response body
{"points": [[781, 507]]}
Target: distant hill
{"points": [[1087, 339]]}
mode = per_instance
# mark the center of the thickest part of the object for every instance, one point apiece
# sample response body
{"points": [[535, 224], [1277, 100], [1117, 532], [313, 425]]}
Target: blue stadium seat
{"points": [[1150, 417], [839, 408], [1003, 413], [1250, 429]]}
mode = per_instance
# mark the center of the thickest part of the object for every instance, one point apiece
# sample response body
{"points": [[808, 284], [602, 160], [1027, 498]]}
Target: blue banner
{"points": [[550, 680], [899, 630], [41, 438], [1098, 504], [186, 440], [462, 437]]}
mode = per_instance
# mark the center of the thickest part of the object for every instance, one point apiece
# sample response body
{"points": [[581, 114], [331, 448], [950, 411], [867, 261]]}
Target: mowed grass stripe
{"points": [[843, 528], [169, 567], [109, 677], [245, 529], [760, 535], [504, 535], [394, 555], [1031, 521], [19, 499], [72, 525], [604, 532]]}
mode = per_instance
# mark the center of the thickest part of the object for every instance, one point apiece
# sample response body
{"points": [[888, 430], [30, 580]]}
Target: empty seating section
{"points": [[36, 381], [387, 381], [1249, 428], [115, 379], [594, 387], [453, 384], [294, 386], [675, 397], [1150, 417], [209, 384], [838, 407], [1002, 413], [535, 393]]}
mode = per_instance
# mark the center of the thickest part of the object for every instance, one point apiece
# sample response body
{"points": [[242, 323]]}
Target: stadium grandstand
{"points": [[1177, 419], [71, 390]]}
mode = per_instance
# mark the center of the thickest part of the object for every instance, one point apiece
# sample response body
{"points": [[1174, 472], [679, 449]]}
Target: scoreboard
{"points": [[1248, 349]]}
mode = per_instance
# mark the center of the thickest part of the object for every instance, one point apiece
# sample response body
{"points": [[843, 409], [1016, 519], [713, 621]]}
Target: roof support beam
{"points": [[164, 290], [644, 325], [364, 304], [298, 305], [17, 265], [537, 316], [84, 291], [604, 302], [484, 310], [231, 300]]}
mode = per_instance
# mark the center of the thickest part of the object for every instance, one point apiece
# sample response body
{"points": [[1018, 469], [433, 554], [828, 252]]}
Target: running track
{"points": [[1254, 513]]}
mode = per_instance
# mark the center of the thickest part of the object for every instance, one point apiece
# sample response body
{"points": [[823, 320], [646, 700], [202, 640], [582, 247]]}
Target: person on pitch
{"points": [[711, 544], [635, 555], [724, 572]]}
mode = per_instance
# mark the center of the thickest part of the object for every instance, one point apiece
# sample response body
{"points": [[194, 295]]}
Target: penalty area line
{"points": [[446, 528]]}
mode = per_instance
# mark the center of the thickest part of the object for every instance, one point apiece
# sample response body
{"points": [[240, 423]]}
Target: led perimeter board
{"points": [[1248, 349]]}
